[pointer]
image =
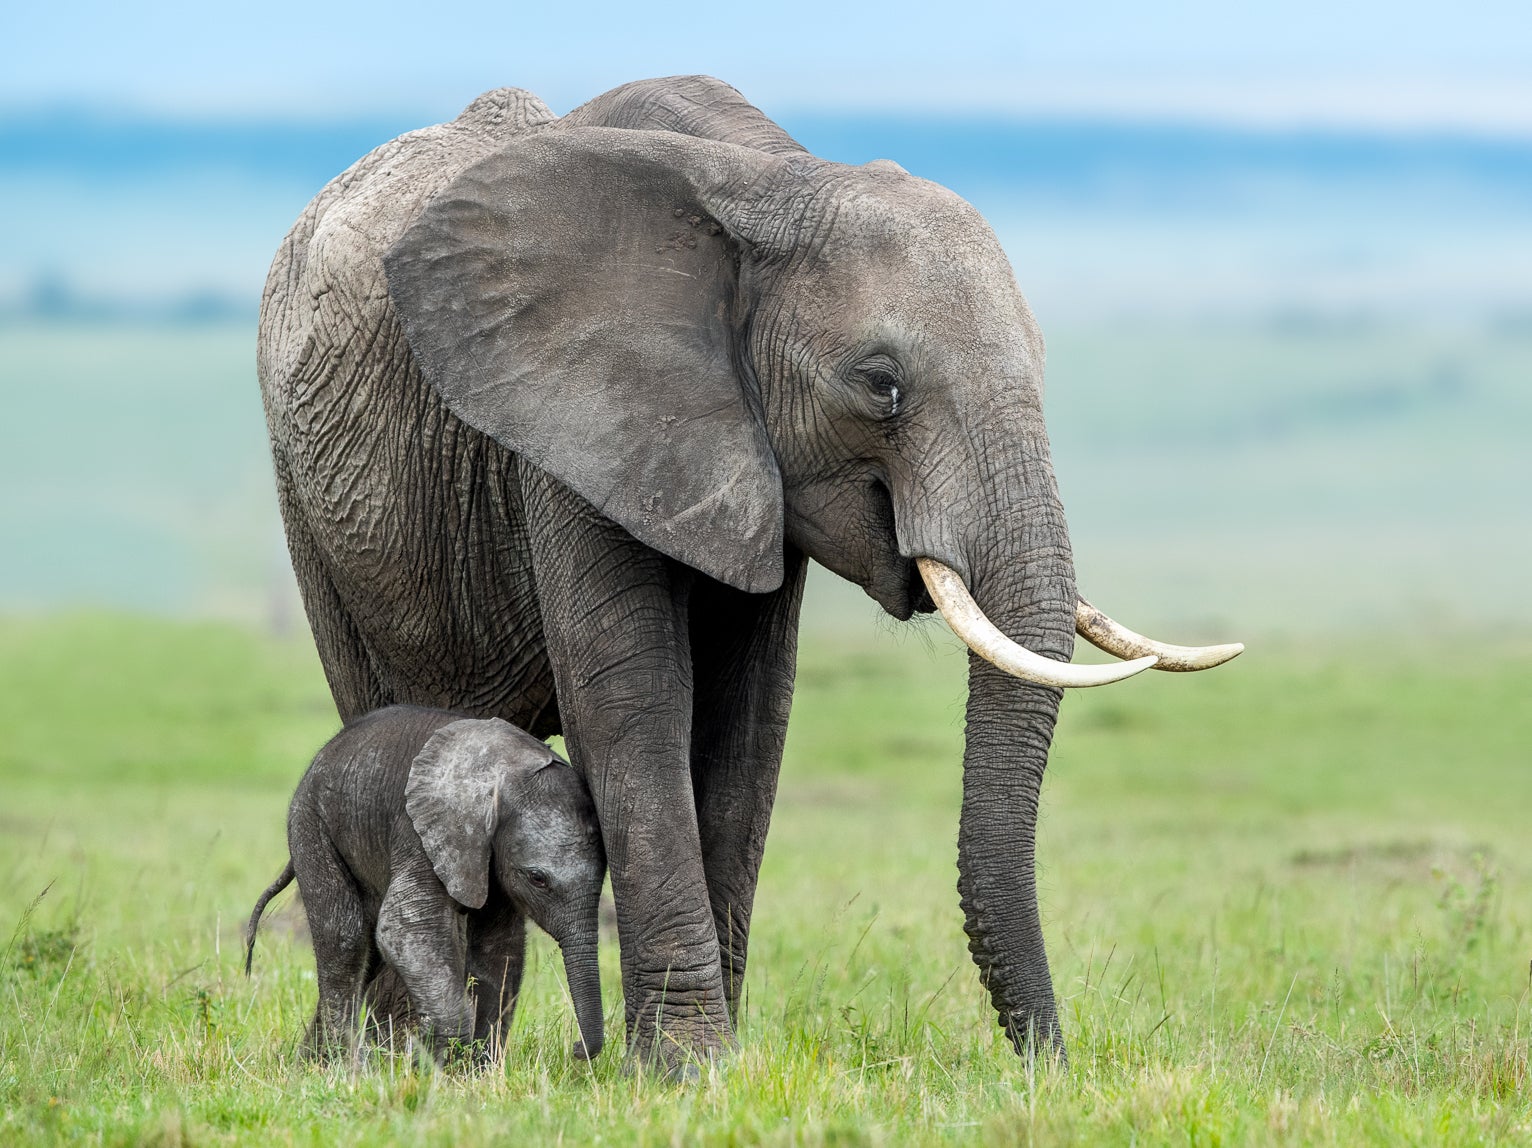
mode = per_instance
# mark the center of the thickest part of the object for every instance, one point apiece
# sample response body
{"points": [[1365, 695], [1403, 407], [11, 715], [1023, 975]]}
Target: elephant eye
{"points": [[538, 878], [880, 375]]}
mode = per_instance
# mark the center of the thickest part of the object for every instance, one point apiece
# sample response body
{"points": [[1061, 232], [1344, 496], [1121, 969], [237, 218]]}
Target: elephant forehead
{"points": [[912, 251], [902, 217], [558, 840]]}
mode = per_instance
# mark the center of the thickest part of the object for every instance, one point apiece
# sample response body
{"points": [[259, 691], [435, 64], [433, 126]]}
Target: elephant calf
{"points": [[393, 835]]}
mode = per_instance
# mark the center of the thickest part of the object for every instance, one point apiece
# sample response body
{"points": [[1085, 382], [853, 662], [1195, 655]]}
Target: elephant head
{"points": [[726, 350], [485, 796]]}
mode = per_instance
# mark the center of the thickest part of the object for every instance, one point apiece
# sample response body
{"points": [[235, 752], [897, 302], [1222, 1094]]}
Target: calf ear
{"points": [[452, 797], [574, 296]]}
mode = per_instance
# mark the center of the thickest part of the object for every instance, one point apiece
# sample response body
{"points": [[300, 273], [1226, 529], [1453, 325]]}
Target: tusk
{"points": [[969, 623], [1105, 634]]}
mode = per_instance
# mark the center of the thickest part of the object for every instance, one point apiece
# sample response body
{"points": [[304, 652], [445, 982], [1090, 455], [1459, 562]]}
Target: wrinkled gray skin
{"points": [[560, 407], [425, 840]]}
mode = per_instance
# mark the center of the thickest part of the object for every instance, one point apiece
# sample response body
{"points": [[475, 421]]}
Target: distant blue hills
{"points": [[125, 217], [92, 144], [1063, 157], [51, 297], [1146, 159]]}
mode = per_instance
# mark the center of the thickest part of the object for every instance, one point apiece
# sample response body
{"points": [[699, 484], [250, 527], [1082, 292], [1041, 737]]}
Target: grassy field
{"points": [[1288, 902]]}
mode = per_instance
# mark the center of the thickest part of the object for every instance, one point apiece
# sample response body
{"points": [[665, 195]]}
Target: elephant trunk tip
{"points": [[585, 992]]}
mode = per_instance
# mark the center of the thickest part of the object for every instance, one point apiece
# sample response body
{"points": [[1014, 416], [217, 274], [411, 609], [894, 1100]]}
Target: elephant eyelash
{"points": [[882, 381]]}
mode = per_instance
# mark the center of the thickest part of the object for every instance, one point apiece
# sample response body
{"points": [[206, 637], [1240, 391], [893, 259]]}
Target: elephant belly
{"points": [[419, 526]]}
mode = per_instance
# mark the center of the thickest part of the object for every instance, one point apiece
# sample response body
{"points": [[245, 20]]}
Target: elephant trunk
{"points": [[1024, 582], [583, 971]]}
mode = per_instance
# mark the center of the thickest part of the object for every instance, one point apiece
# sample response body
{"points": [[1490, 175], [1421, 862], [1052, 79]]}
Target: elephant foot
{"points": [[1038, 1040], [455, 1054], [332, 1045], [390, 1016], [679, 1058]]}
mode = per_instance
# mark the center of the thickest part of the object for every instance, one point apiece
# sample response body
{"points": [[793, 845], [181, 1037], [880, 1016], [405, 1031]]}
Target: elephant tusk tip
{"points": [[1084, 676], [1102, 632], [1203, 658], [1134, 666]]}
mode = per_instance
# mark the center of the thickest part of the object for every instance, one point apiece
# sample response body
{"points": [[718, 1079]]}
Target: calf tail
{"points": [[284, 879]]}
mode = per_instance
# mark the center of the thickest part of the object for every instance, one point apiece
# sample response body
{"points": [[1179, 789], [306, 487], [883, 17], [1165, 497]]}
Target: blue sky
{"points": [[1305, 61]]}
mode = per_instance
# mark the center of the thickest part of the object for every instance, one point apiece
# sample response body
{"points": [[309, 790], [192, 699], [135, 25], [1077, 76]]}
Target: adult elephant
{"points": [[559, 409]]}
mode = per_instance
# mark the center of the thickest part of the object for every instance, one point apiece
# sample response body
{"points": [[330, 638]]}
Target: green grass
{"points": [[1287, 902]]}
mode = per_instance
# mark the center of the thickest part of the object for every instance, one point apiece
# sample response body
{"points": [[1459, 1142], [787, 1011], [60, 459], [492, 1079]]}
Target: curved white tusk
{"points": [[1105, 634], [969, 623]]}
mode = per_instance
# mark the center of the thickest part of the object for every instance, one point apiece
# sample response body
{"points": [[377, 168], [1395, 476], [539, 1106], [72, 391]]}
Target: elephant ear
{"points": [[453, 797], [573, 296]]}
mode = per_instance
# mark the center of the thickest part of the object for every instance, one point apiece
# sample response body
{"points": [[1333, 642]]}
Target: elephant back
{"points": [[337, 244], [699, 106]]}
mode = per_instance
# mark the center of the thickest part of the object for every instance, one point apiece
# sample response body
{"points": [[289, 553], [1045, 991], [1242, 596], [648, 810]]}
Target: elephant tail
{"points": [[284, 879]]}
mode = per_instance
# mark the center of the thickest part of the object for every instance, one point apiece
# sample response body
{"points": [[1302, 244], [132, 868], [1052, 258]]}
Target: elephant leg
{"points": [[497, 953], [390, 1013], [423, 934], [348, 667], [744, 655], [342, 946], [614, 617]]}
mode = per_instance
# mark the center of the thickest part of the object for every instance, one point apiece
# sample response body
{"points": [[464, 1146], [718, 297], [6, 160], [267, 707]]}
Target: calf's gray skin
{"points": [[559, 410], [425, 840]]}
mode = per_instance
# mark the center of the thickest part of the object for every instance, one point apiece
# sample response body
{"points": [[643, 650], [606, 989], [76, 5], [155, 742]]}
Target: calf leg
{"points": [[497, 948], [342, 944], [423, 934]]}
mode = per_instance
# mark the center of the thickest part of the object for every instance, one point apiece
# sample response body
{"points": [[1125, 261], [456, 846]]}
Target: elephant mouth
{"points": [[897, 586], [889, 578], [917, 596]]}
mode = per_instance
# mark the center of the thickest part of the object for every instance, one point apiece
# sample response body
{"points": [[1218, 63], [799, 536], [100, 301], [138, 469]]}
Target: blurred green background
{"points": [[1286, 383]]}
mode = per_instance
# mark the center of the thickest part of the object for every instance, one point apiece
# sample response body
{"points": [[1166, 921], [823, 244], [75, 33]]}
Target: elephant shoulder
{"points": [[383, 192], [333, 255], [365, 209]]}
